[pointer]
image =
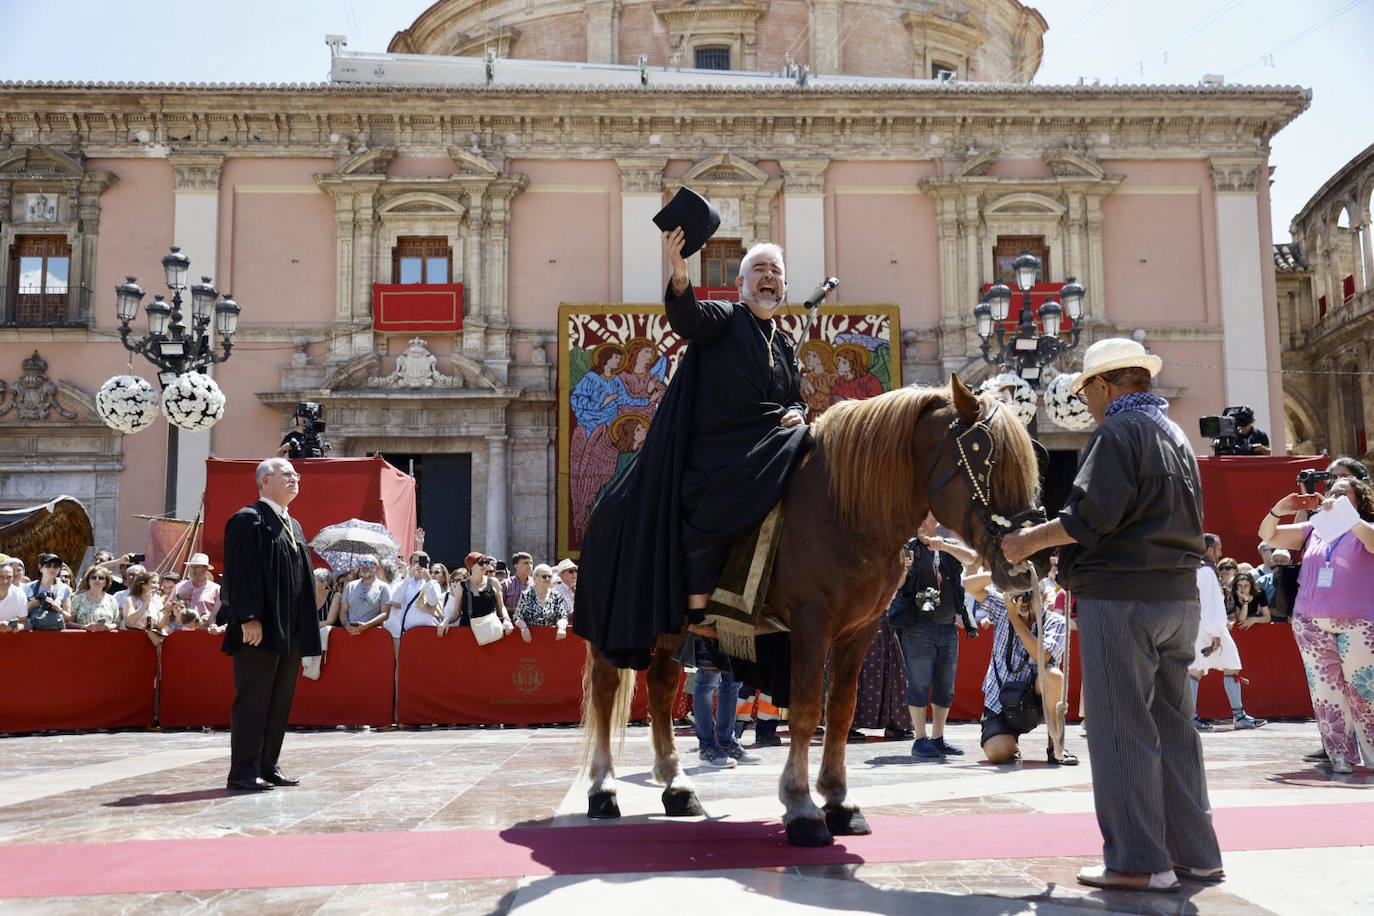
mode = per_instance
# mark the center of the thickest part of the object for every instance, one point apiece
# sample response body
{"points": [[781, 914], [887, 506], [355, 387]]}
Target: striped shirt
{"points": [[1022, 666]]}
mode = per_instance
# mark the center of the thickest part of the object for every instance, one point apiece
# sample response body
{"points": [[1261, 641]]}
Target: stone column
{"points": [[804, 217], [1245, 323], [825, 36], [603, 31], [365, 263], [641, 250], [497, 485], [1368, 248], [195, 230]]}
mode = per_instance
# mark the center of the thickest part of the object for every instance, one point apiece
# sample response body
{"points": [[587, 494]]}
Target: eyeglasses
{"points": [[367, 563], [100, 578], [1228, 568], [546, 575]]}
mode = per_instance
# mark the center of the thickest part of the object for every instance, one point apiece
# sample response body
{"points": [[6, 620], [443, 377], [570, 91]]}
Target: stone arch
{"points": [[41, 162], [1302, 422], [742, 193], [415, 202], [1025, 202], [724, 167]]}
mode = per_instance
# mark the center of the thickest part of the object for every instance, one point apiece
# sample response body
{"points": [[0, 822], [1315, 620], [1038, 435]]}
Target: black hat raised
{"points": [[694, 213]]}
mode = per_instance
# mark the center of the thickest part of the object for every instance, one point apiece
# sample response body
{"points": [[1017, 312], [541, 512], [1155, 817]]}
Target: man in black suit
{"points": [[269, 605]]}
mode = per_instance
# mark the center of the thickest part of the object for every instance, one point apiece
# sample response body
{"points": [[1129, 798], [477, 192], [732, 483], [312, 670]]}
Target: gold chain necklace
{"points": [[768, 341]]}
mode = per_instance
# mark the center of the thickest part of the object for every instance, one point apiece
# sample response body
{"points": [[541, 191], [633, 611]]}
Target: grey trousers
{"points": [[1149, 787]]}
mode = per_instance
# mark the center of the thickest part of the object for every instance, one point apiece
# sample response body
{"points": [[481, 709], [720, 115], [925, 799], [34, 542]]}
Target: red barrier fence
{"points": [[1277, 687], [76, 680], [71, 679]]}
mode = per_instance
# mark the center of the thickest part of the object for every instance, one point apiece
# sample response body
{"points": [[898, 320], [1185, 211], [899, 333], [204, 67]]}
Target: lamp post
{"points": [[170, 345], [1027, 350]]}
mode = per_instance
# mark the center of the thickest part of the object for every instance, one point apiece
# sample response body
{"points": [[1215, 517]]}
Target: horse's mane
{"points": [[877, 479]]}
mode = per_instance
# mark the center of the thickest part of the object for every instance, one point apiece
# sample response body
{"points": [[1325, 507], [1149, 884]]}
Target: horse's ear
{"points": [[965, 401]]}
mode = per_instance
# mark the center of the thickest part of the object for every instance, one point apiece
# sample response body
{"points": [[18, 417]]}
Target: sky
{"points": [[1321, 45]]}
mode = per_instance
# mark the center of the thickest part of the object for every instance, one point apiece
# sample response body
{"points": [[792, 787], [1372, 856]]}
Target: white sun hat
{"points": [[1115, 353]]}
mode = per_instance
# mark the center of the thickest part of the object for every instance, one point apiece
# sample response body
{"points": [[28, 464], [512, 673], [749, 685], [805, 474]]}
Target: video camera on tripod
{"points": [[309, 441], [1223, 430]]}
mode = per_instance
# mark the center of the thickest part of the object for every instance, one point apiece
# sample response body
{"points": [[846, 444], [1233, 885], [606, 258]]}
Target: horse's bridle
{"points": [[975, 455]]}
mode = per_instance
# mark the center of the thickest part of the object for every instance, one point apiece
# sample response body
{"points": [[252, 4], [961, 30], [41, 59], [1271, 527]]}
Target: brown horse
{"points": [[877, 467]]}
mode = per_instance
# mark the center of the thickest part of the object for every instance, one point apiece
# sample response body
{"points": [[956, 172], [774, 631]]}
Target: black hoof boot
{"points": [[677, 803], [846, 822], [602, 804], [805, 832]]}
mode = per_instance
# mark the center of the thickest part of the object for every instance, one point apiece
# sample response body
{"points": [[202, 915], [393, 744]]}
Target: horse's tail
{"points": [[596, 730]]}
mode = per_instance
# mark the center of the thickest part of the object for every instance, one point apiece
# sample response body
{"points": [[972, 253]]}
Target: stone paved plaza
{"points": [[452, 805]]}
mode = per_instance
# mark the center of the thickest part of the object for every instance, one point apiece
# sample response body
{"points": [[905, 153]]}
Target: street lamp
{"points": [[1027, 350], [172, 346]]}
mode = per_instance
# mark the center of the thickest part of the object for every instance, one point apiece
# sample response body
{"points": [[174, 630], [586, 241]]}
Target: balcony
{"points": [[34, 307], [416, 308]]}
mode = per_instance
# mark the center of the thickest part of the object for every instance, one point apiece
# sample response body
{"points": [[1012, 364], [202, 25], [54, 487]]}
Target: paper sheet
{"points": [[1336, 521]]}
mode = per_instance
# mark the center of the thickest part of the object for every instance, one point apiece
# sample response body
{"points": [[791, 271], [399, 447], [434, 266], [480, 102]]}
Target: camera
{"points": [[136, 559], [927, 600], [309, 442], [1309, 479], [1223, 430]]}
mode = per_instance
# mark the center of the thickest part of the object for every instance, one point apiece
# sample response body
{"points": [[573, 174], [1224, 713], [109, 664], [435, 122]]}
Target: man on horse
{"points": [[1132, 527], [723, 442]]}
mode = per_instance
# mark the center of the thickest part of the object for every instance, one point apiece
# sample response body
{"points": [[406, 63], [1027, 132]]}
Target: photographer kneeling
{"points": [[1012, 701]]}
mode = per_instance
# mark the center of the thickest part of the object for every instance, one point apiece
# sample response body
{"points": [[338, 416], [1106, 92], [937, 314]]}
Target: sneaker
{"points": [[1317, 756], [944, 747], [1338, 765], [1244, 721], [1202, 725], [715, 757], [925, 748], [738, 754]]}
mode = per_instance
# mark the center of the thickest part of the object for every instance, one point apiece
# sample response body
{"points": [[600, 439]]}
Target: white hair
{"points": [[541, 569], [762, 250], [266, 466]]}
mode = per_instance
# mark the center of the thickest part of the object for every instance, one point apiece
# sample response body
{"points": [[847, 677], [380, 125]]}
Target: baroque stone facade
{"points": [[543, 195], [1326, 306]]}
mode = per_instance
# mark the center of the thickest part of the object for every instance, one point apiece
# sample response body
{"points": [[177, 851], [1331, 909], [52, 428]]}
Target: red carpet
{"points": [[306, 860]]}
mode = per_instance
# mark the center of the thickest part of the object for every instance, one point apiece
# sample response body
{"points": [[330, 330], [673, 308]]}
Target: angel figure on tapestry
{"points": [[818, 376], [596, 402], [856, 380], [644, 376], [628, 433]]}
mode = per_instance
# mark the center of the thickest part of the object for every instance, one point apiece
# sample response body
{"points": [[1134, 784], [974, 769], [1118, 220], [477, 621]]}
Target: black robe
{"points": [[267, 577], [715, 461]]}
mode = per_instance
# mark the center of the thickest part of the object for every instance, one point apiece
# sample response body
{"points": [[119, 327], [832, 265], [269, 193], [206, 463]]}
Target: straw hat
{"points": [[1115, 353], [564, 566], [200, 559]]}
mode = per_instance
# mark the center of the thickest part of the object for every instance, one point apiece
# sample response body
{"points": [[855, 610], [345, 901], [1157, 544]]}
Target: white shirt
{"points": [[15, 604], [408, 612]]}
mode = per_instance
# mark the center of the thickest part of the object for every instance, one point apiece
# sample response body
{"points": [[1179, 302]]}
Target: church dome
{"points": [[998, 41]]}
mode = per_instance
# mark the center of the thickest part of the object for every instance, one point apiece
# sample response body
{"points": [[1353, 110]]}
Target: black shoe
{"points": [[856, 737], [898, 734], [277, 778], [236, 786], [1068, 760], [767, 741], [1317, 756]]}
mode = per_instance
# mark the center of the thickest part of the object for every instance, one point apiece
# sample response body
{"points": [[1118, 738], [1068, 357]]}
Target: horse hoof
{"points": [[682, 804], [847, 822], [804, 832], [602, 805]]}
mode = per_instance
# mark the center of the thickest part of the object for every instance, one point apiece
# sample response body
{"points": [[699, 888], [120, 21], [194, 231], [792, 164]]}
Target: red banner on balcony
{"points": [[417, 307], [1040, 293]]}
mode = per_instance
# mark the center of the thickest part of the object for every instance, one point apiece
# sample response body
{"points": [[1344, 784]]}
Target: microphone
{"points": [[817, 297]]}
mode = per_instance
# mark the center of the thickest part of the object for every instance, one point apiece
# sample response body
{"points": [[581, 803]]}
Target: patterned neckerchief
{"points": [[1154, 407]]}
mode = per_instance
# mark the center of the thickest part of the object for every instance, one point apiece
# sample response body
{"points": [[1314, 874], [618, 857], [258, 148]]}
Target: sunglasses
{"points": [[545, 576], [367, 563], [1228, 568], [100, 578]]}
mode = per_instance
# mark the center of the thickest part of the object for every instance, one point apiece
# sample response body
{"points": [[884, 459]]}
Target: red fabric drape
{"points": [[1238, 490], [333, 490]]}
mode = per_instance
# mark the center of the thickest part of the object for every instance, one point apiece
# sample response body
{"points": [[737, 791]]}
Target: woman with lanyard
{"points": [[1333, 620]]}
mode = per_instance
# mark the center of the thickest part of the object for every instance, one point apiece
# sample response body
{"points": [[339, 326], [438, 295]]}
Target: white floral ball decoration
{"points": [[1063, 408], [1022, 402], [127, 403], [193, 402]]}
